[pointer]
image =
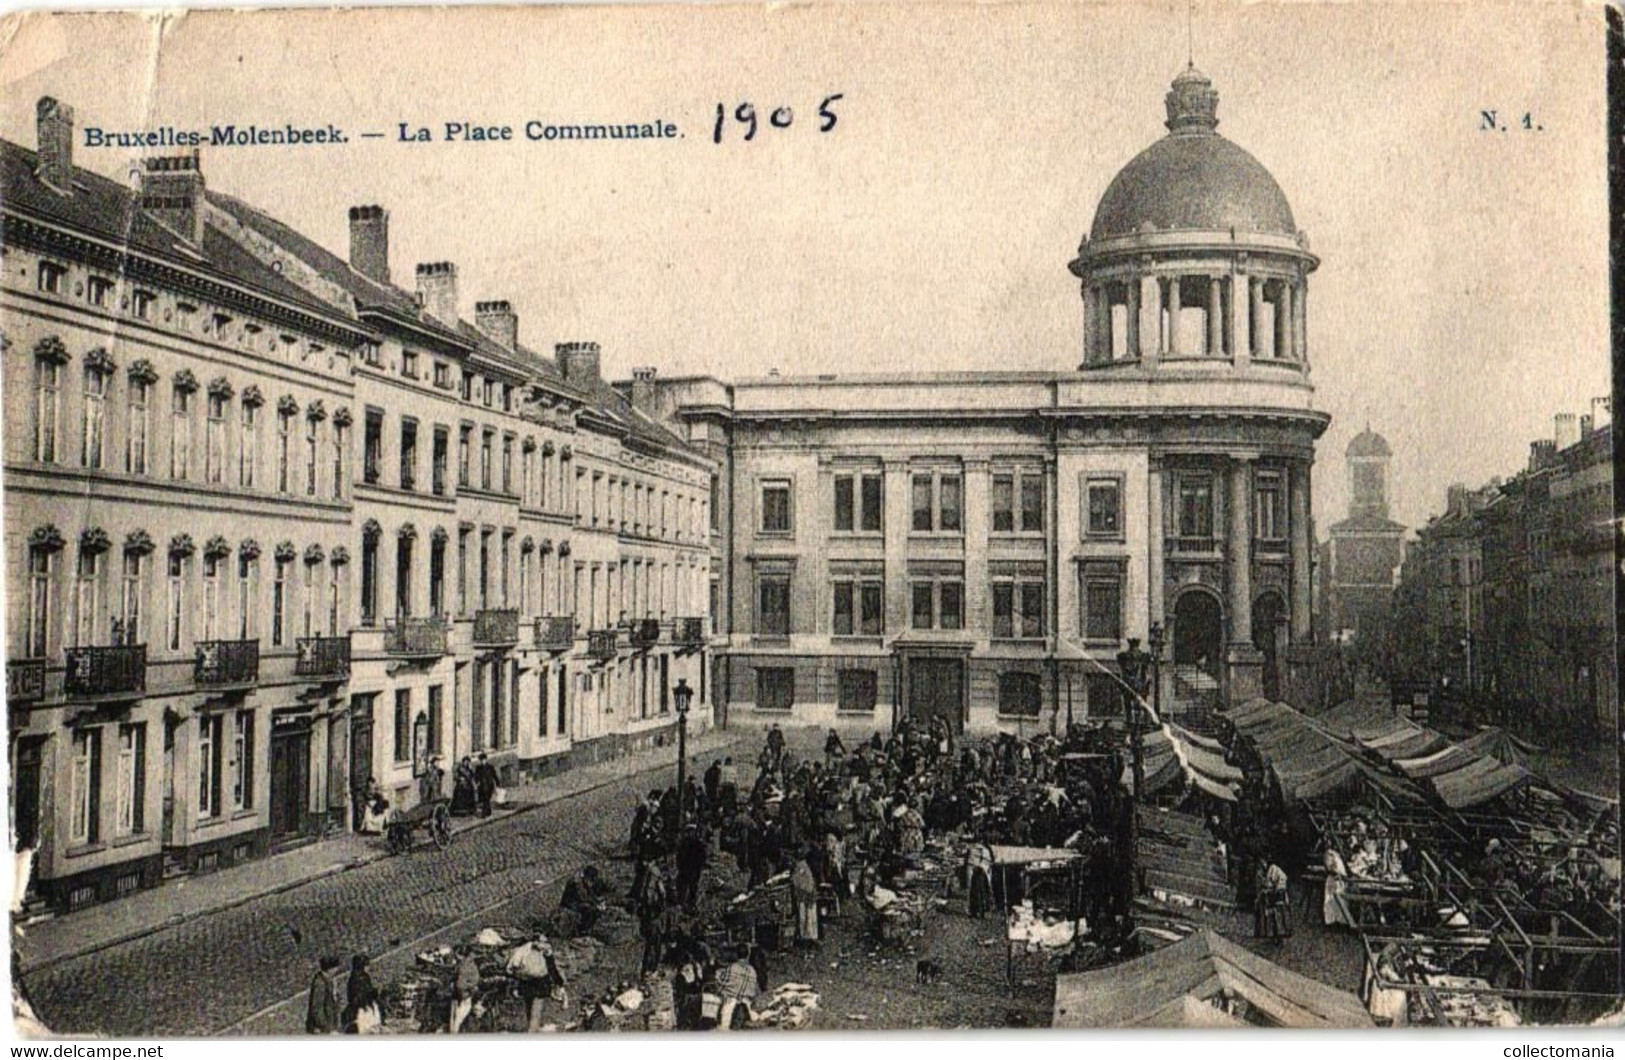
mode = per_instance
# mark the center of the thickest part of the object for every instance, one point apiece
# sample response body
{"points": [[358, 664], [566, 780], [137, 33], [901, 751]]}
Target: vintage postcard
{"points": [[830, 518]]}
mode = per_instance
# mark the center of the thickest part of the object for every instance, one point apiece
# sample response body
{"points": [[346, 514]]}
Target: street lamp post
{"points": [[681, 695], [1142, 674]]}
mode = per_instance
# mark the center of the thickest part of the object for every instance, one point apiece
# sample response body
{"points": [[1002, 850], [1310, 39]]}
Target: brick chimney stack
{"points": [[643, 390], [172, 191], [498, 322], [54, 125], [437, 290], [579, 361], [369, 242]]}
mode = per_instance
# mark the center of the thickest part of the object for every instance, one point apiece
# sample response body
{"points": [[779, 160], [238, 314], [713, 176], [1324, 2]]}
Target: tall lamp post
{"points": [[681, 695], [1141, 672]]}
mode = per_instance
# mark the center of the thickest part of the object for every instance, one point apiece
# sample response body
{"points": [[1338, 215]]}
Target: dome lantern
{"points": [[1193, 104]]}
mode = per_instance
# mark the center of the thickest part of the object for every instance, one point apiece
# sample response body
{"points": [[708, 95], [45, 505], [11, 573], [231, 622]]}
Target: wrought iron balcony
{"points": [[417, 637], [106, 671], [496, 627], [645, 633], [556, 632], [226, 662], [688, 632], [603, 643], [25, 680], [323, 657], [1193, 546]]}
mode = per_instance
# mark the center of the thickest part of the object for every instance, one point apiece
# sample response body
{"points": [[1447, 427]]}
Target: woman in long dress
{"points": [[1333, 910], [1271, 919], [804, 896]]}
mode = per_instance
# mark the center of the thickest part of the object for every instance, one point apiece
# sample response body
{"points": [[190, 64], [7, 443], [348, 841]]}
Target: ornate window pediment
{"points": [[439, 536], [249, 549], [316, 411], [545, 546], [253, 396], [216, 547], [99, 360], [51, 349], [314, 554], [342, 417], [46, 538], [407, 532], [94, 541], [339, 556], [527, 545], [181, 545], [285, 552], [220, 387], [287, 406], [139, 543], [564, 548], [142, 371], [371, 531], [185, 381]]}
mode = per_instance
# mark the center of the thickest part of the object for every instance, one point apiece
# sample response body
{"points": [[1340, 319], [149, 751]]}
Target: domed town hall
{"points": [[980, 545]]}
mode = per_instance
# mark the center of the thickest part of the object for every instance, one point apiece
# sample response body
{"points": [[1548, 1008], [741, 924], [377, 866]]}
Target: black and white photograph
{"points": [[842, 518]]}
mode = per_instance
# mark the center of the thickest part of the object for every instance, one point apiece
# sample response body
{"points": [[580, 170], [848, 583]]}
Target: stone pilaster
{"points": [[1303, 544], [1246, 676]]}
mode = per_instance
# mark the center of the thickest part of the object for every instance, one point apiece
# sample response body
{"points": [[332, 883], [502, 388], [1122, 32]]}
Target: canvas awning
{"points": [[1478, 783], [1161, 986], [1436, 764]]}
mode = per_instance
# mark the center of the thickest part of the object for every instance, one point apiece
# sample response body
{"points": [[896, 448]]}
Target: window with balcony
{"points": [[95, 433], [247, 578], [372, 447], [132, 589], [403, 576], [211, 597], [437, 576], [775, 688], [85, 788], [130, 786], [462, 572], [858, 499], [409, 453], [135, 453], [859, 607], [1103, 508], [773, 605], [369, 579], [438, 463], [335, 600], [47, 408], [87, 597], [776, 516], [40, 603], [485, 569]]}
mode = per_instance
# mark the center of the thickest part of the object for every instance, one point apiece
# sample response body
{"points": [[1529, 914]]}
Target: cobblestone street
{"points": [[218, 970]]}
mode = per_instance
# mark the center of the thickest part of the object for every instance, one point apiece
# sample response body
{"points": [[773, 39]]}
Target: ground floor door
{"points": [[936, 688], [25, 792], [290, 782], [360, 755]]}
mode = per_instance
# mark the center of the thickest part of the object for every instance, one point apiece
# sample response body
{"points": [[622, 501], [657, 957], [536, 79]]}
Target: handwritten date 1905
{"points": [[747, 116]]}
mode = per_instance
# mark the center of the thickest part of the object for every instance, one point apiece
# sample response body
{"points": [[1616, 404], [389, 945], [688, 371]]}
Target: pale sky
{"points": [[1461, 301]]}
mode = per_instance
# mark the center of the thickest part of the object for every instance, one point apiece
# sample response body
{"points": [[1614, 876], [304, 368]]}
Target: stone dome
{"points": [[1368, 443], [1193, 179]]}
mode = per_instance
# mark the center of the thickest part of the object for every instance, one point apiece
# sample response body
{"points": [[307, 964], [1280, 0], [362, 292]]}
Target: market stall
{"points": [[1039, 891], [1234, 986]]}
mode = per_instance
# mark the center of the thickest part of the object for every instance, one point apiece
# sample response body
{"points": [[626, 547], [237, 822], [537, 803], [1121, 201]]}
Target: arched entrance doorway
{"points": [[1269, 636], [1198, 637]]}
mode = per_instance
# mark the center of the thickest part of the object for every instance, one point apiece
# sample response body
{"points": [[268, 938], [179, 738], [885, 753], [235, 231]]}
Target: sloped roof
{"points": [[1151, 990], [110, 212]]}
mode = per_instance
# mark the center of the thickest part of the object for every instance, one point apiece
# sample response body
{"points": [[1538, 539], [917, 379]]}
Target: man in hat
{"points": [[431, 784], [537, 974], [485, 784]]}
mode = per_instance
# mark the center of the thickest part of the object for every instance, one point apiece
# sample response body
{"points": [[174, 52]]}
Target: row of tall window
{"points": [[225, 775], [857, 690], [639, 508], [215, 596], [308, 451], [605, 593], [1017, 505], [492, 570], [936, 601]]}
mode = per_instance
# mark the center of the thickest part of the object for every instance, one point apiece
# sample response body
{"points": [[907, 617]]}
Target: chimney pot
{"points": [[54, 132], [437, 290], [643, 390], [172, 191], [499, 323], [579, 361], [369, 242]]}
